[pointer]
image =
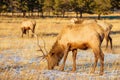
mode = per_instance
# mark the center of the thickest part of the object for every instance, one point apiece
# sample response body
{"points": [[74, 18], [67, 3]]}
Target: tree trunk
{"points": [[49, 13], [42, 14], [24, 14], [99, 16], [12, 14], [77, 14], [63, 12], [29, 14], [38, 14], [80, 14], [32, 13]]}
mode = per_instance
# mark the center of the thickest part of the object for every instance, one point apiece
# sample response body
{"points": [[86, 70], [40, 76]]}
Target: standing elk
{"points": [[76, 21], [28, 25], [73, 37], [106, 26]]}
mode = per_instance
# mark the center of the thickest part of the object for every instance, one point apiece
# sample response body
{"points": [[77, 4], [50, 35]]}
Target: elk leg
{"points": [[65, 57], [96, 55], [32, 35], [110, 41], [28, 32], [107, 40], [101, 63], [74, 59], [64, 60], [33, 32], [22, 29], [22, 35]]}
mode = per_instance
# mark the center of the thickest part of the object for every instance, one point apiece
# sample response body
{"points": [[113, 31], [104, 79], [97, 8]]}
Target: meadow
{"points": [[19, 57]]}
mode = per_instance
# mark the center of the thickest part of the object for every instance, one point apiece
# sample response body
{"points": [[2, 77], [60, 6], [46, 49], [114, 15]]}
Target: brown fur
{"points": [[28, 25], [76, 20], [106, 27], [73, 37]]}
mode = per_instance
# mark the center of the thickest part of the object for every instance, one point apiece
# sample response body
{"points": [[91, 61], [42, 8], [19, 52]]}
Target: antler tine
{"points": [[39, 44], [44, 45], [41, 58]]}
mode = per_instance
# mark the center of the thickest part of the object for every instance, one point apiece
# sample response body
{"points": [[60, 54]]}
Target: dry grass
{"points": [[25, 56]]}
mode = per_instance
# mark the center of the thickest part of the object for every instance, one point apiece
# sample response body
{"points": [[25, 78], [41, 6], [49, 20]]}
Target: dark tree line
{"points": [[58, 7]]}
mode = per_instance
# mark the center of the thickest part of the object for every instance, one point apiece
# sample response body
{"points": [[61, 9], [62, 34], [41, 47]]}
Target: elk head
{"points": [[54, 56]]}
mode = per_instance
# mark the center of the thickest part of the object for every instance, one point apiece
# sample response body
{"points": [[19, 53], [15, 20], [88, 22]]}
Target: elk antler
{"points": [[44, 45], [39, 44]]}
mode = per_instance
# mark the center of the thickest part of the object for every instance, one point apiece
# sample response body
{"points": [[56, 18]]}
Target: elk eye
{"points": [[52, 54]]}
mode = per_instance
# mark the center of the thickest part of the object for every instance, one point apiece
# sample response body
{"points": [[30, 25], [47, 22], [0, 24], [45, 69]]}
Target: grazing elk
{"points": [[73, 37], [28, 25], [106, 26]]}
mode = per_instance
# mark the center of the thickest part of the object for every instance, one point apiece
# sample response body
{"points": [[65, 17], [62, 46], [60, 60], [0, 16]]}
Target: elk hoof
{"points": [[72, 71], [57, 67], [61, 68], [92, 71]]}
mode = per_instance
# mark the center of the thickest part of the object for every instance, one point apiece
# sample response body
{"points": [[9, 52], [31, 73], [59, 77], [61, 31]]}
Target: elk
{"points": [[72, 38], [76, 21], [28, 25], [106, 26]]}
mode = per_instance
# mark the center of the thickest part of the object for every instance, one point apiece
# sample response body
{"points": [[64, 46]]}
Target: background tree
{"points": [[78, 6], [65, 6], [31, 6], [102, 7], [39, 7], [115, 4], [48, 6], [58, 7], [89, 6], [4, 6], [61, 6], [14, 6], [23, 7], [73, 6]]}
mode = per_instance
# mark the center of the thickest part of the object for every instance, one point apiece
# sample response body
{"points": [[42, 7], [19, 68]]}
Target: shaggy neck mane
{"points": [[58, 51]]}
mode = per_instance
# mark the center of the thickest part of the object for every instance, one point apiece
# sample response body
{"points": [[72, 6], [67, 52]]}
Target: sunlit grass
{"points": [[29, 66]]}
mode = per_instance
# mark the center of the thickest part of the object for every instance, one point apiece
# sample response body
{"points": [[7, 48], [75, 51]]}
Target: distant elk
{"points": [[28, 25], [72, 38], [106, 26]]}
